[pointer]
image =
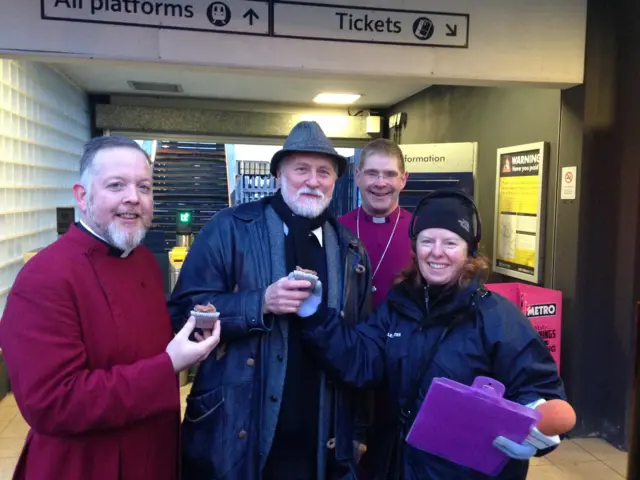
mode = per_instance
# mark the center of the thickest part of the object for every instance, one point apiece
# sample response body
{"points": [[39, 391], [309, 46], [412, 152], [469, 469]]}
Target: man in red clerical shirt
{"points": [[383, 227], [87, 338], [380, 222]]}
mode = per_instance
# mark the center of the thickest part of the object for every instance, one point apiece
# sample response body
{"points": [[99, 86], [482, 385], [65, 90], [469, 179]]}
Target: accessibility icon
{"points": [[219, 14], [423, 28]]}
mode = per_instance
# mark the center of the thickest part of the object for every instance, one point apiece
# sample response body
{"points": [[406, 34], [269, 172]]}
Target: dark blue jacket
{"points": [[491, 338], [232, 409]]}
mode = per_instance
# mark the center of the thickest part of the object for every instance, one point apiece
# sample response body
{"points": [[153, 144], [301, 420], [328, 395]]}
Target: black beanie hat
{"points": [[449, 213]]}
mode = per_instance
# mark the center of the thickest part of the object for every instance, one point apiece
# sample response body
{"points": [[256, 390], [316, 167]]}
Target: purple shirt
{"points": [[375, 237]]}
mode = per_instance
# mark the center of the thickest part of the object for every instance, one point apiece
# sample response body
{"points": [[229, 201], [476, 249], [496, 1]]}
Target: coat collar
{"points": [[410, 301], [92, 243], [252, 211]]}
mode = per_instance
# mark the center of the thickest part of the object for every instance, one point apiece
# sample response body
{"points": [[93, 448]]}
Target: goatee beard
{"points": [[122, 240]]}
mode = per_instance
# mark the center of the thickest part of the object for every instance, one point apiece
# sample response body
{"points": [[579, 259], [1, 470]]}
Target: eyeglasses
{"points": [[387, 176]]}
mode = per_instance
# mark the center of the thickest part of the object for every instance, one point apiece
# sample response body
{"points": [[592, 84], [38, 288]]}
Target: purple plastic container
{"points": [[459, 423]]}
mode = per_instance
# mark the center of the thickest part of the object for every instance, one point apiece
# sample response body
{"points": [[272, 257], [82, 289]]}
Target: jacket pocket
{"points": [[203, 406], [215, 433], [201, 435]]}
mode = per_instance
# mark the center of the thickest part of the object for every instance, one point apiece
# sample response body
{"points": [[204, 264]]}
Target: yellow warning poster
{"points": [[518, 211]]}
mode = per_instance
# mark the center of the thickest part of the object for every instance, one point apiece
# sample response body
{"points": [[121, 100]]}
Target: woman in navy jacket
{"points": [[439, 321]]}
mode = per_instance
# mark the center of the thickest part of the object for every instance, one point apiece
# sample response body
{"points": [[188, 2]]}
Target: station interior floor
{"points": [[580, 459]]}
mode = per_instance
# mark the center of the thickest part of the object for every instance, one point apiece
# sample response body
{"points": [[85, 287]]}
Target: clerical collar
{"points": [[380, 220], [113, 250]]}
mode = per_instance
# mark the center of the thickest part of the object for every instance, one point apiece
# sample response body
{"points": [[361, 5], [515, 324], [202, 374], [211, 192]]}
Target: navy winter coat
{"points": [[233, 408], [491, 338]]}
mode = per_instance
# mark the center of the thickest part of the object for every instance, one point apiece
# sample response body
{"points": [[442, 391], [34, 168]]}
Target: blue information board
{"points": [[420, 184]]}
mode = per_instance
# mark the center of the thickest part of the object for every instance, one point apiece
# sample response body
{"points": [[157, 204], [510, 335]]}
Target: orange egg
{"points": [[558, 417]]}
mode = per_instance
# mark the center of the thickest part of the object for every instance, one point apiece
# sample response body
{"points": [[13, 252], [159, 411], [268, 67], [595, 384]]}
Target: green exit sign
{"points": [[184, 219]]}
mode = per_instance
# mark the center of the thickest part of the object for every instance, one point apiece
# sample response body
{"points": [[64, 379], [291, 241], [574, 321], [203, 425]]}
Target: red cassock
{"points": [[83, 335]]}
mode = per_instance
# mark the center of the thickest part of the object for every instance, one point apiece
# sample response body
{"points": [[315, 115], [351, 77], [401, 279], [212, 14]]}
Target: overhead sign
{"points": [[440, 157], [249, 17], [273, 18], [370, 25], [507, 45], [519, 211]]}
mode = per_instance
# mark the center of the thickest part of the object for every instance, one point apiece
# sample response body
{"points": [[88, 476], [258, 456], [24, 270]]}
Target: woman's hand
{"points": [[524, 451]]}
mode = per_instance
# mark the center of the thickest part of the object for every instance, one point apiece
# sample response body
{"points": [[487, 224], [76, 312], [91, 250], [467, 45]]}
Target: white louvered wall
{"points": [[44, 122]]}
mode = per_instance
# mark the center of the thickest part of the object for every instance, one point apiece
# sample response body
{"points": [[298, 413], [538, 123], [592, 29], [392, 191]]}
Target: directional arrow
{"points": [[251, 13], [452, 31]]}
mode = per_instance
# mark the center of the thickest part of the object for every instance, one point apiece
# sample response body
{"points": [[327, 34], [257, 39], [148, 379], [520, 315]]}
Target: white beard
{"points": [[307, 207], [124, 240]]}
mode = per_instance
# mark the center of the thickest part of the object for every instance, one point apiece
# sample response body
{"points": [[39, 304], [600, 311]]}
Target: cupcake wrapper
{"points": [[211, 315]]}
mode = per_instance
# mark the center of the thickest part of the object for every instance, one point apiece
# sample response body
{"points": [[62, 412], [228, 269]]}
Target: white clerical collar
{"points": [[381, 220], [125, 253], [317, 232]]}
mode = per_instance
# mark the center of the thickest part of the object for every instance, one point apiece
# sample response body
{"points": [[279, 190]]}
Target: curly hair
{"points": [[474, 267]]}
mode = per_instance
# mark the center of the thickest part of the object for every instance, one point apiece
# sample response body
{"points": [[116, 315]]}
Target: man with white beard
{"points": [[87, 340], [261, 407]]}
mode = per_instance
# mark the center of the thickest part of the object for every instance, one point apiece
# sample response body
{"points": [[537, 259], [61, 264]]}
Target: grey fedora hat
{"points": [[307, 137]]}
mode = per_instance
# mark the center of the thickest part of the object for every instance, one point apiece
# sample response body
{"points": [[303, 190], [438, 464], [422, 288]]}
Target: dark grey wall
{"points": [[602, 348], [495, 118], [600, 272]]}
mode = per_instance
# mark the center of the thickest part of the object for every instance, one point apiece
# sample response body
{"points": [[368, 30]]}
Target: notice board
{"points": [[519, 211], [432, 166]]}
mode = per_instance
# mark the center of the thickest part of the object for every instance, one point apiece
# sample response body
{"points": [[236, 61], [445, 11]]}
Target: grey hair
{"points": [[96, 145]]}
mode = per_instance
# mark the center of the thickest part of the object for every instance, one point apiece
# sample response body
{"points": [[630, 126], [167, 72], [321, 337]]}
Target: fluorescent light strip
{"points": [[336, 98]]}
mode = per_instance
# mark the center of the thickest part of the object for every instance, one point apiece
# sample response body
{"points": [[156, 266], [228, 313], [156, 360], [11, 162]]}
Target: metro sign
{"points": [[543, 310]]}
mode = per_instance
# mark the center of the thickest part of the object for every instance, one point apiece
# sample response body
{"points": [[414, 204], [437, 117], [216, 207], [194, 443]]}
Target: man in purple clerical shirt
{"points": [[383, 227], [380, 222]]}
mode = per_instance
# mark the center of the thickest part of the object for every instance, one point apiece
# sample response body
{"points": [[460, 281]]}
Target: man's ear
{"points": [[404, 177], [358, 178], [80, 193]]}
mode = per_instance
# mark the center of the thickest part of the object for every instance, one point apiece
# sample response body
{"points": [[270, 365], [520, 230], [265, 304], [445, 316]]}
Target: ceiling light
{"points": [[336, 98]]}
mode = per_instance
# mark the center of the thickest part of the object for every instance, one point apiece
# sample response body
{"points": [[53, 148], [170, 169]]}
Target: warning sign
{"points": [[568, 187]]}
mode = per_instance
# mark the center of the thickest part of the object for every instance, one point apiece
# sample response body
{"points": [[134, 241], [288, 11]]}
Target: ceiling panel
{"points": [[266, 86]]}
